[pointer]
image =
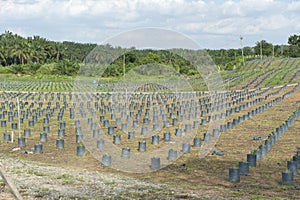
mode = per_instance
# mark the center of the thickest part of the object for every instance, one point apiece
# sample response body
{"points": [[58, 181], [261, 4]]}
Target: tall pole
{"points": [[124, 66], [19, 117], [241, 38], [273, 51], [261, 49], [126, 100]]}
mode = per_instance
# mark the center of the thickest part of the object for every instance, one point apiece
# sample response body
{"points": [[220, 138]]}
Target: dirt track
{"points": [[36, 181]]}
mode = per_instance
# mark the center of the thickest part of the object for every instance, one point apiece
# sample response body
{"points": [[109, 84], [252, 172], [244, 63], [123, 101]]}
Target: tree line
{"points": [[36, 54], [261, 49]]}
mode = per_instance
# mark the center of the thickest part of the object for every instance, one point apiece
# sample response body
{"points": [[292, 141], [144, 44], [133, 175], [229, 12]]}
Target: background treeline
{"points": [[37, 55]]}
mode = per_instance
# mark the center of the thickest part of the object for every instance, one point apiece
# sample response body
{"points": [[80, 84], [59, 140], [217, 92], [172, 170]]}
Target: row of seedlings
{"points": [[185, 148], [257, 154]]}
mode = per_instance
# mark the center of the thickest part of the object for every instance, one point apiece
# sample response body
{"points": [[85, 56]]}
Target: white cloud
{"points": [[274, 22], [74, 19], [294, 6]]}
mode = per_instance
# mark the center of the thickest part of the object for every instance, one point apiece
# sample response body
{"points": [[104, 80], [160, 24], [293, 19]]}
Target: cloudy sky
{"points": [[212, 24]]}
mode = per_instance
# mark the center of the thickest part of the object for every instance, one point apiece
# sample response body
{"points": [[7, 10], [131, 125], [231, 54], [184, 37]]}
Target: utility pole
{"points": [[241, 38], [124, 66], [273, 51], [261, 49], [19, 122]]}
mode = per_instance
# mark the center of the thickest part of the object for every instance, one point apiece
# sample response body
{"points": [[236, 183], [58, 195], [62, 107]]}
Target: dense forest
{"points": [[37, 55]]}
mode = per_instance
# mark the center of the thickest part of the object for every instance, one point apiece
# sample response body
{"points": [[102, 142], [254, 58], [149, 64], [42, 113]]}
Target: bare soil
{"points": [[57, 175]]}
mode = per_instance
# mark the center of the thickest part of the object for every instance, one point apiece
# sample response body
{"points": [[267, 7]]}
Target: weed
{"points": [[66, 178], [257, 197], [111, 183], [37, 173]]}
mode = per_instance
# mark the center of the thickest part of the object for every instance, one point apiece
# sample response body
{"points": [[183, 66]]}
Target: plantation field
{"points": [[257, 115], [255, 74]]}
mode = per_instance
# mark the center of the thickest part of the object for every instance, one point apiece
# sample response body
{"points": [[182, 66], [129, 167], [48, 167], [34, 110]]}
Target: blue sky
{"points": [[212, 24]]}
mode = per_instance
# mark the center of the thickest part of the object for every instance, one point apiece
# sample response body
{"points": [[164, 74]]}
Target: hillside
{"points": [[256, 73], [264, 73]]}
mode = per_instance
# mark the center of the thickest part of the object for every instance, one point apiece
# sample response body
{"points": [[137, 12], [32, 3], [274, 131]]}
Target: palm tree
{"points": [[57, 50], [20, 53], [3, 55]]}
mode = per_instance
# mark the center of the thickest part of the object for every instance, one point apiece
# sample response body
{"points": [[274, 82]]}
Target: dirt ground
{"points": [[52, 175], [6, 194]]}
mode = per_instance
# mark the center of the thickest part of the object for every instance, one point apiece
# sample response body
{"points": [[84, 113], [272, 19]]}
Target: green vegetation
{"points": [[15, 49], [67, 178], [256, 73], [37, 173], [38, 57], [2, 182]]}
